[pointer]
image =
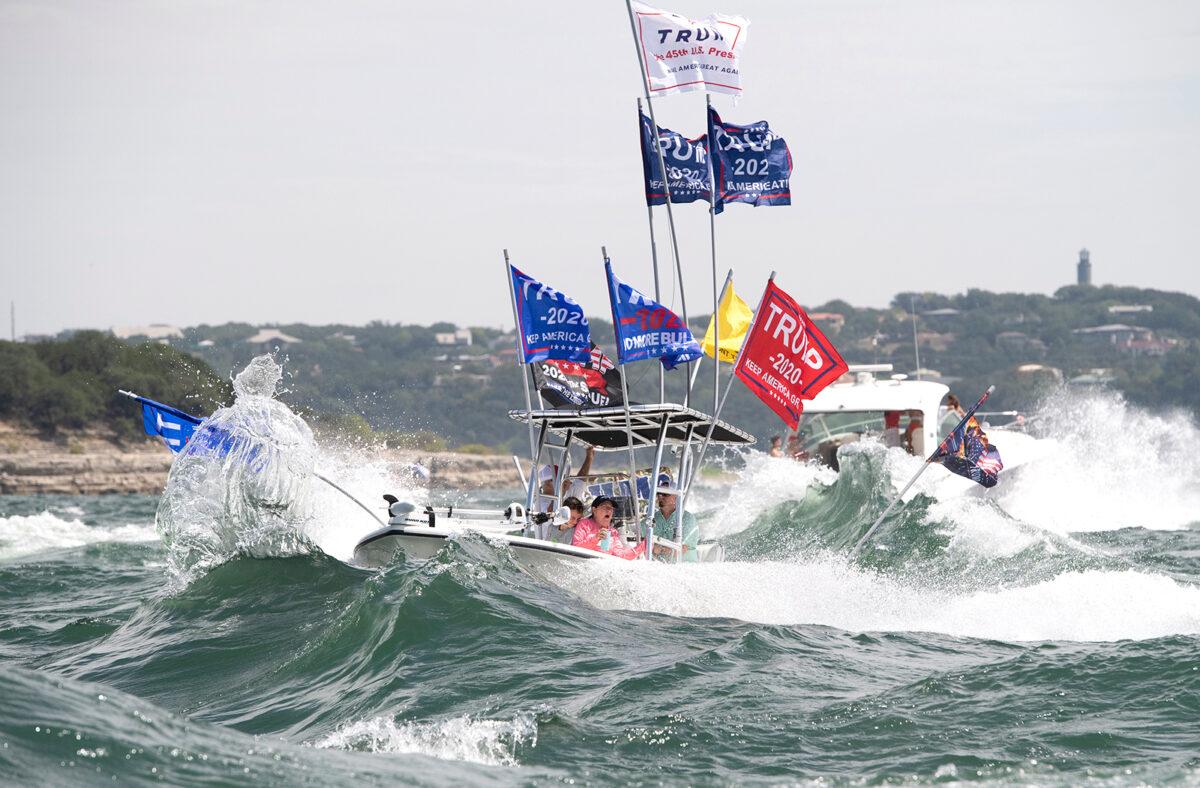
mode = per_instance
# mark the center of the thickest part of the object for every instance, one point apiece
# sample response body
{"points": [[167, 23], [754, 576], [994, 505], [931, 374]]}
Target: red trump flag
{"points": [[786, 358]]}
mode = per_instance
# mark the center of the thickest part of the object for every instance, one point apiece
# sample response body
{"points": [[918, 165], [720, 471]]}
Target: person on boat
{"points": [[666, 517], [914, 434], [891, 428], [795, 448], [598, 532], [776, 446], [565, 532], [571, 486]]}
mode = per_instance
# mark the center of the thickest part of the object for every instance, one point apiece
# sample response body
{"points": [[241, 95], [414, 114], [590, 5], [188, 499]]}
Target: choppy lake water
{"points": [[1047, 632]]}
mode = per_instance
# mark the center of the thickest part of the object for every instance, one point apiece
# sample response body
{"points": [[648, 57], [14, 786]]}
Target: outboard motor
{"points": [[398, 509]]}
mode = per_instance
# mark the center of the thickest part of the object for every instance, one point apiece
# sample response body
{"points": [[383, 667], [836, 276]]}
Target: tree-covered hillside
{"points": [[399, 378], [443, 385], [72, 384]]}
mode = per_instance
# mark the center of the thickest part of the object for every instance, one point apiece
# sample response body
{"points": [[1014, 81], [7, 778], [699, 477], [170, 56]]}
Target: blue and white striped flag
{"points": [[173, 426]]}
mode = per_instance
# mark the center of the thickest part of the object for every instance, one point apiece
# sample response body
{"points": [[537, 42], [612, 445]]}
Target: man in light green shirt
{"points": [[664, 528]]}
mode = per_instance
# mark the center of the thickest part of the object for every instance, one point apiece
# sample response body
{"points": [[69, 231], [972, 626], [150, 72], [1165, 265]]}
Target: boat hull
{"points": [[421, 543]]}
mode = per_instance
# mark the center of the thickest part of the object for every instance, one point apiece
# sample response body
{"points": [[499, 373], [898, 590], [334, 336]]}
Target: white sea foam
{"points": [[339, 523], [493, 742], [1096, 463], [764, 482], [22, 535], [1107, 465], [976, 526], [1076, 606]]}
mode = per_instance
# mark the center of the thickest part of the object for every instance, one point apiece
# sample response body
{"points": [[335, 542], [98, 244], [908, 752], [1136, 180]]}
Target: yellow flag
{"points": [[735, 319]]}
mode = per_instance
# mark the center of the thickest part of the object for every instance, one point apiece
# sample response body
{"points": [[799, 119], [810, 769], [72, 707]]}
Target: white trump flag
{"points": [[682, 54]]}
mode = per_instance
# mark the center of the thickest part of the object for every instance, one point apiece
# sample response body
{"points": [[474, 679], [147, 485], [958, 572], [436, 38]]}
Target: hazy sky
{"points": [[202, 161]]}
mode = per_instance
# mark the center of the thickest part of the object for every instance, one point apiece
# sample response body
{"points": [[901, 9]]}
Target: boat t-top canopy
{"points": [[606, 428]]}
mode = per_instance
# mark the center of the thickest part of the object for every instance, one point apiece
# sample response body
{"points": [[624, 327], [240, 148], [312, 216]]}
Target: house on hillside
{"points": [[1093, 377], [160, 332], [270, 338], [1113, 334], [925, 373], [946, 311], [459, 336], [1020, 342], [1150, 347], [1134, 340], [503, 356], [1039, 372], [934, 340], [832, 322], [1129, 309]]}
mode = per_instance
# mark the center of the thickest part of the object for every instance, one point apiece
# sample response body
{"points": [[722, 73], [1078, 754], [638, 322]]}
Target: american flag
{"points": [[967, 452], [599, 361]]}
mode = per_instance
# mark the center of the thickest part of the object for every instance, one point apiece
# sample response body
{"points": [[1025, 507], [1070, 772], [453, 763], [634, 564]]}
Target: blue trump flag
{"points": [[646, 329], [750, 163], [177, 429], [686, 160], [549, 323], [173, 426]]}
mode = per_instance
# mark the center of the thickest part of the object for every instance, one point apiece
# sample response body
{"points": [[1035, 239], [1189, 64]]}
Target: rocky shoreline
{"points": [[91, 464]]}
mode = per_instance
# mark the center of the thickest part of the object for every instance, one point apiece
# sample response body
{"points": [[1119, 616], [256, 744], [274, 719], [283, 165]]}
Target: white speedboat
{"points": [[854, 408], [526, 528]]}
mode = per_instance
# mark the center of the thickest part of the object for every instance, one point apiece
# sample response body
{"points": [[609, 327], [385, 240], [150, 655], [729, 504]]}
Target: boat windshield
{"points": [[822, 434]]}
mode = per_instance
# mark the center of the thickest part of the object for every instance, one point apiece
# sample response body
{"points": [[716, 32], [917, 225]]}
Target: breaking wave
{"points": [[26, 535], [1107, 465], [242, 484]]}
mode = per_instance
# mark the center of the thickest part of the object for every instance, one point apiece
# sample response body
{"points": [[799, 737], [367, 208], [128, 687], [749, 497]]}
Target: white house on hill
{"points": [[152, 331], [272, 336]]}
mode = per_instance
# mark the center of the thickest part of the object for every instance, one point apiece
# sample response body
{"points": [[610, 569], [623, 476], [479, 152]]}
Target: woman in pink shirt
{"points": [[592, 532]]}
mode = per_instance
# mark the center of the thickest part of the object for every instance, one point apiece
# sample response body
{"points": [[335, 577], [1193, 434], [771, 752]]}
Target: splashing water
{"points": [[492, 742], [1107, 466], [242, 484]]}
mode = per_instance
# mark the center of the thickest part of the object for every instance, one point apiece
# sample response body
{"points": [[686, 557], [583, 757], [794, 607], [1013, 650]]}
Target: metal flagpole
{"points": [[928, 460], [721, 406], [520, 354], [662, 373], [624, 396], [662, 167], [712, 239], [912, 307], [717, 331]]}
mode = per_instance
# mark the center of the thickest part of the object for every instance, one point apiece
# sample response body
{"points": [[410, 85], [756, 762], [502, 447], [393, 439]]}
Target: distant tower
{"points": [[1083, 269]]}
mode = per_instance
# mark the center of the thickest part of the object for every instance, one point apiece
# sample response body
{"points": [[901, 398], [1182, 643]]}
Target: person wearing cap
{"points": [[591, 532], [666, 517]]}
